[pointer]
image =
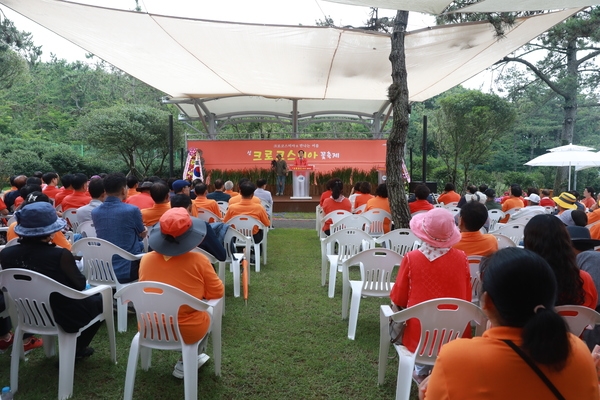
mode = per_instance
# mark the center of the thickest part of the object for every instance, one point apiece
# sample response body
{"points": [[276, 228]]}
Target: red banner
{"points": [[322, 155]]}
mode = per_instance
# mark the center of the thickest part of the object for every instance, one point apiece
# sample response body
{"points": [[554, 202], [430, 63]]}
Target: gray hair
{"points": [[228, 185]]}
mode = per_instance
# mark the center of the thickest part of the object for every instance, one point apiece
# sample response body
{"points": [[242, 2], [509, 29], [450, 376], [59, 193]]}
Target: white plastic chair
{"points": [[97, 257], [399, 240], [158, 302], [352, 221], [87, 229], [349, 243], [71, 216], [451, 204], [504, 241], [511, 212], [29, 292], [578, 318], [474, 262], [528, 212], [376, 267], [359, 210], [439, 325], [494, 216], [208, 216], [334, 216], [377, 216], [454, 210], [319, 214], [513, 231], [269, 209], [223, 206], [234, 259], [245, 225]]}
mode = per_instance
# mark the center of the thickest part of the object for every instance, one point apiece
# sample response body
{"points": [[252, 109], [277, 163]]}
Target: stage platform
{"points": [[286, 204]]}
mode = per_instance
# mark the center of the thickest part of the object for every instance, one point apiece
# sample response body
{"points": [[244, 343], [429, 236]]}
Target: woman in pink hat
{"points": [[433, 271]]}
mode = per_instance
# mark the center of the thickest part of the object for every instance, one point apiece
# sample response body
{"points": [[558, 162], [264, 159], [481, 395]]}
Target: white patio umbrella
{"points": [[571, 147], [568, 158]]}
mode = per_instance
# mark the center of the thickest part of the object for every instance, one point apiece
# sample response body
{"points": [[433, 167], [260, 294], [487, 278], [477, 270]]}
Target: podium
{"points": [[301, 181]]}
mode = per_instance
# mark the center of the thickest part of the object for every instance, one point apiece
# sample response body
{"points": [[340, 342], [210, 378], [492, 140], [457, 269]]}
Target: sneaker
{"points": [[32, 343], [178, 370], [5, 344]]}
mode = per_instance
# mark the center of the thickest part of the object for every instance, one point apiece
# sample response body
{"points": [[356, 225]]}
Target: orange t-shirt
{"points": [[449, 197], [207, 204], [151, 216], [192, 273], [477, 244], [383, 204]]}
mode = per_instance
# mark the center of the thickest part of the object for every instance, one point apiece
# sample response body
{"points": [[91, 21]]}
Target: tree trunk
{"points": [[398, 95], [570, 109]]}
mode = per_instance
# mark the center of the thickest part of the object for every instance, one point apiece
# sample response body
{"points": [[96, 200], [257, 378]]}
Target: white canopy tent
{"points": [[215, 71]]}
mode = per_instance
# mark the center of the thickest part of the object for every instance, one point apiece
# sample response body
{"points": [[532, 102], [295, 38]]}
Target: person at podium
{"points": [[301, 160]]}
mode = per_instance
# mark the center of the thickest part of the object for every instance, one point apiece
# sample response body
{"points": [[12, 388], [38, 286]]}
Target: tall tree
{"points": [[468, 124]]}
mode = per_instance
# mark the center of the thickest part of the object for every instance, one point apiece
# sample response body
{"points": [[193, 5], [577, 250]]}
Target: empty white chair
{"points": [[400, 240], [234, 259], [513, 231], [504, 241], [97, 257], [338, 247], [442, 320], [578, 318], [351, 222], [378, 218], [494, 216], [155, 303], [376, 267], [29, 293], [245, 225]]}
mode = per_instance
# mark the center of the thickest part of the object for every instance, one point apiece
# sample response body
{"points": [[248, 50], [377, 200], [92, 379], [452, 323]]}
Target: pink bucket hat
{"points": [[436, 227]]}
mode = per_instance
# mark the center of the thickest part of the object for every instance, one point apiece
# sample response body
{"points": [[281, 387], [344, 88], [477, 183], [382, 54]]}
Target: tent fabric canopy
{"points": [[486, 6], [217, 70]]}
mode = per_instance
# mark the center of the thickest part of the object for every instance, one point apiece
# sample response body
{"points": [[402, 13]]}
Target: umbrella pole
{"points": [[575, 180], [569, 187]]}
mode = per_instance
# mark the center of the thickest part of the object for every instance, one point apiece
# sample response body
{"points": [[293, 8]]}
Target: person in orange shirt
{"points": [[381, 201], [173, 262], [336, 201], [66, 190], [327, 193], [449, 195], [80, 196], [51, 181], [514, 201], [364, 196], [143, 200], [421, 204], [589, 197], [202, 202], [518, 293], [247, 207], [473, 215], [229, 190], [301, 160], [160, 194], [132, 185]]}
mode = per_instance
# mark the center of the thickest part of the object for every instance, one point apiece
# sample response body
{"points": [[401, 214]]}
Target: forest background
{"points": [[90, 117]]}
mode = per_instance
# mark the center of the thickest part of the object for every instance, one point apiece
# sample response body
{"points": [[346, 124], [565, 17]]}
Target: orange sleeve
{"points": [[591, 295], [399, 294], [61, 240]]}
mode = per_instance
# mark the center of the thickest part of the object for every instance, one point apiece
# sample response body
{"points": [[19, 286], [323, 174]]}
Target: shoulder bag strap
{"points": [[535, 369]]}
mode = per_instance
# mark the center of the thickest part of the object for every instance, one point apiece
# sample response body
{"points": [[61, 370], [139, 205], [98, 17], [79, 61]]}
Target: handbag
{"points": [[396, 328]]}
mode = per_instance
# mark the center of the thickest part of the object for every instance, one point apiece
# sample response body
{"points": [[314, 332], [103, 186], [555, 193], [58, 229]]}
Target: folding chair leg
{"points": [[132, 361]]}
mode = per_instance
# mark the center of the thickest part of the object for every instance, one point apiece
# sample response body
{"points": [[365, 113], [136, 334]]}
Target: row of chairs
{"points": [[371, 221], [443, 320]]}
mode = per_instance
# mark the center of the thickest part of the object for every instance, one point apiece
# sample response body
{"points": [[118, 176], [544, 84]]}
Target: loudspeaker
{"points": [[431, 185]]}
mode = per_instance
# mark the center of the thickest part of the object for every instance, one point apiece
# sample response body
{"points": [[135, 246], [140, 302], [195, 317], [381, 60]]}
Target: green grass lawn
{"points": [[289, 342]]}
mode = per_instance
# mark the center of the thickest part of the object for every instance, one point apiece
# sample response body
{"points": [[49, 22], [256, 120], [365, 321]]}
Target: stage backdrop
{"points": [[324, 155]]}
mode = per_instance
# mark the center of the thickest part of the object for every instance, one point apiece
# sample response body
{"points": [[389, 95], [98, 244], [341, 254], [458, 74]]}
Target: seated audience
{"points": [[490, 200], [96, 190], [381, 201], [181, 186], [578, 204], [327, 193], [261, 193], [449, 195], [237, 199], [547, 236], [473, 216], [589, 197], [121, 224], [364, 196], [132, 185], [142, 200], [66, 190], [545, 200], [218, 194], [514, 201], [355, 192], [17, 183], [229, 189], [37, 224], [201, 200], [173, 262], [421, 203], [473, 194], [160, 195], [566, 201], [433, 271], [573, 218], [51, 189], [335, 202], [80, 196], [249, 208], [518, 293]]}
